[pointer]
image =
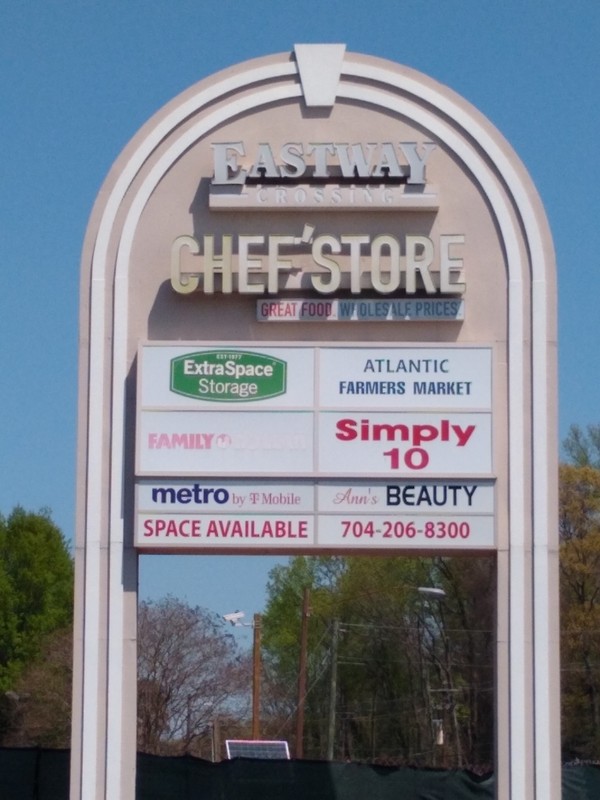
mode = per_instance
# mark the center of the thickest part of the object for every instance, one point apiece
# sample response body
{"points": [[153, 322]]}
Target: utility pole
{"points": [[302, 675], [256, 678], [216, 739], [333, 690]]}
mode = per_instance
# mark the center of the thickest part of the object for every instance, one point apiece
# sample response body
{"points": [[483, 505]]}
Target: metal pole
{"points": [[256, 679], [302, 676], [216, 740], [333, 690]]}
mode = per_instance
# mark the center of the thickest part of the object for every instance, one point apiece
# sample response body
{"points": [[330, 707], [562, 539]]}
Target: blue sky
{"points": [[79, 77]]}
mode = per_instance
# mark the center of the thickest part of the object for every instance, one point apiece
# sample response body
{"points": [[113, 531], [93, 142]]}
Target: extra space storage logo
{"points": [[228, 376]]}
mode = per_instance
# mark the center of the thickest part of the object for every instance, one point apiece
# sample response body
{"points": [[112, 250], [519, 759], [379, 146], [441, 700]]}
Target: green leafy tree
{"points": [[579, 521], [36, 589], [281, 628], [465, 657], [399, 666], [426, 662], [582, 446], [384, 708]]}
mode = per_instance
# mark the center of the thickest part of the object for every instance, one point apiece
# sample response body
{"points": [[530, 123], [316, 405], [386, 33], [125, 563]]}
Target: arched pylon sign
{"points": [[314, 280]]}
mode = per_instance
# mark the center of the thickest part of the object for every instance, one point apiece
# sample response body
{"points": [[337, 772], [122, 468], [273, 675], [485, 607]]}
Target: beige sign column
{"points": [[323, 175]]}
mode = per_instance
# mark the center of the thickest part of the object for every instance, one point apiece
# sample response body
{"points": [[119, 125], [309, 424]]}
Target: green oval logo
{"points": [[228, 376]]}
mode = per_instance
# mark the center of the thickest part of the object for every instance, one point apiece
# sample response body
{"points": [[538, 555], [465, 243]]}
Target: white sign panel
{"points": [[314, 411], [218, 367], [300, 516], [225, 443], [206, 497], [414, 497], [411, 378], [225, 532], [298, 533], [374, 443], [408, 531]]}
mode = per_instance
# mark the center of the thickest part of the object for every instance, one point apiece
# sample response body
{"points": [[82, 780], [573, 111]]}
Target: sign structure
{"points": [[318, 316], [395, 415]]}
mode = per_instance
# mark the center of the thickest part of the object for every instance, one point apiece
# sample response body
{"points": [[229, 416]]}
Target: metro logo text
{"points": [[189, 494]]}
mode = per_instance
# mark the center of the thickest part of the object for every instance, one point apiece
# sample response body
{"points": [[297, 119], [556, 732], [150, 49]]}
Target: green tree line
{"points": [[36, 602], [400, 659], [579, 528], [395, 673]]}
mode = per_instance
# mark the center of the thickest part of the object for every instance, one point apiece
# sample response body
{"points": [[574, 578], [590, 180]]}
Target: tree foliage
{"points": [[38, 711], [189, 672], [411, 677], [580, 608], [403, 668], [582, 446], [36, 589]]}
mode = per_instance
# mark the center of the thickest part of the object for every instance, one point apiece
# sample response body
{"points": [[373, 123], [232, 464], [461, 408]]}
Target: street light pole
{"points": [[235, 619], [333, 690], [256, 678], [302, 676]]}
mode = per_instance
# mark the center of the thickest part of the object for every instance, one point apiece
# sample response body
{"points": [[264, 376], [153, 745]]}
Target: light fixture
{"points": [[234, 618], [431, 591]]}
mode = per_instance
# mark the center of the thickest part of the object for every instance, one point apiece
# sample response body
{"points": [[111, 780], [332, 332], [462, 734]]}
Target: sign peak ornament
{"points": [[319, 67]]}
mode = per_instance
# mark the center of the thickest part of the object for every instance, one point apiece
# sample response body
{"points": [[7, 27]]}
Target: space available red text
{"points": [[215, 528]]}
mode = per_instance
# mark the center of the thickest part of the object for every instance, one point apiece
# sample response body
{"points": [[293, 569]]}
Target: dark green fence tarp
{"points": [[33, 774], [580, 782], [249, 779]]}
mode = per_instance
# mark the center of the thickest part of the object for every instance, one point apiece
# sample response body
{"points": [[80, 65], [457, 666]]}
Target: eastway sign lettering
{"points": [[337, 176], [384, 161]]}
